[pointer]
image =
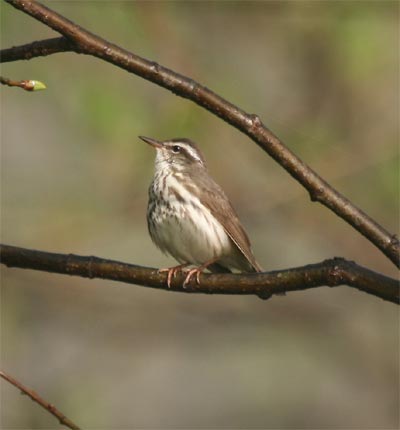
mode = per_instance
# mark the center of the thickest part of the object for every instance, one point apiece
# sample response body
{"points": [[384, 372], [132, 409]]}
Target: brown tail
{"points": [[257, 267]]}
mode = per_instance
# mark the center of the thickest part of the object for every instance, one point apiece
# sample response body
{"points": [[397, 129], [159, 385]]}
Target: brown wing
{"points": [[213, 197]]}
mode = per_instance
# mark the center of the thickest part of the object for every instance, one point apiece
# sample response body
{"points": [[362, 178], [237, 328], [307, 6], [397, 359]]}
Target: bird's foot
{"points": [[192, 272], [197, 271], [172, 271]]}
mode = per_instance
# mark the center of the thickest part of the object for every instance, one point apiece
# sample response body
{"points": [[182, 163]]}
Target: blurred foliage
{"points": [[324, 77]]}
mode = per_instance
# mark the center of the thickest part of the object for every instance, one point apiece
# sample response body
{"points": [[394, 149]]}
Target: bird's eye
{"points": [[176, 149]]}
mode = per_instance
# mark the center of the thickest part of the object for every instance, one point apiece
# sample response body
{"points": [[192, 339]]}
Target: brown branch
{"points": [[333, 272], [85, 42], [27, 85], [36, 398], [41, 48]]}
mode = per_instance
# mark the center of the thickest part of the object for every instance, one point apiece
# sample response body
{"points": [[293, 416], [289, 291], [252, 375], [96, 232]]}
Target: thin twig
{"points": [[27, 85], [83, 41], [41, 48], [333, 272], [43, 403]]}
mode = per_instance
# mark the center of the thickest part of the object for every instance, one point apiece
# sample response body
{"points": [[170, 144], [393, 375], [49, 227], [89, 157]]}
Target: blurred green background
{"points": [[74, 176]]}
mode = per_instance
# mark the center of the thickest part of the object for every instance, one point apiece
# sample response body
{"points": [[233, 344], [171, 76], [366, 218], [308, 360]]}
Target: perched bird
{"points": [[190, 217]]}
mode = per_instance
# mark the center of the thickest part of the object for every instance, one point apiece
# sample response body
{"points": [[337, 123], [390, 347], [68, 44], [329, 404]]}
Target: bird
{"points": [[190, 217]]}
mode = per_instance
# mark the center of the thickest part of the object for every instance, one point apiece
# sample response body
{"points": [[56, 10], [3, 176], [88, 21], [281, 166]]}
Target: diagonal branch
{"points": [[43, 403], [333, 272], [82, 41]]}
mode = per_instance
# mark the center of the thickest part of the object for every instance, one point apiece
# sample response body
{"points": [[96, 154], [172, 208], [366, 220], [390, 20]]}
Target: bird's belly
{"points": [[189, 233]]}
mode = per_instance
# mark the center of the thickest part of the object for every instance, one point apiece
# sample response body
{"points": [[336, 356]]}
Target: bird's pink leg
{"points": [[172, 271], [198, 271]]}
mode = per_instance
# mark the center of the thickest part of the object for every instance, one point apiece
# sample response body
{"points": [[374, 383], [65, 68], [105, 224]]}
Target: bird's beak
{"points": [[153, 142]]}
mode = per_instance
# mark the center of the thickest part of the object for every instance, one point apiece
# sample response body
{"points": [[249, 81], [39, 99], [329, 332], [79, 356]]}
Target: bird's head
{"points": [[179, 152]]}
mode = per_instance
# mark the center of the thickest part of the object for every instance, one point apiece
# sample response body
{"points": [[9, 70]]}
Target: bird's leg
{"points": [[198, 271], [172, 271]]}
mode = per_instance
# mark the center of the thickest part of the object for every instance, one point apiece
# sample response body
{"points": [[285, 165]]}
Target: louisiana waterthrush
{"points": [[190, 217]]}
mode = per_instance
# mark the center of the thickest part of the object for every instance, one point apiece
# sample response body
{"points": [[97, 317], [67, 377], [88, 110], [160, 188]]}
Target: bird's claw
{"points": [[196, 271], [172, 271]]}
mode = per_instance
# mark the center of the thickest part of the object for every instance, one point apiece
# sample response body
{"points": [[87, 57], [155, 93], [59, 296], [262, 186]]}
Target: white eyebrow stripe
{"points": [[191, 151]]}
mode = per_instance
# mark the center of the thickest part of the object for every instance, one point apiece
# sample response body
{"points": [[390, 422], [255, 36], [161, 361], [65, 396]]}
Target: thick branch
{"points": [[319, 190], [36, 398], [334, 272]]}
